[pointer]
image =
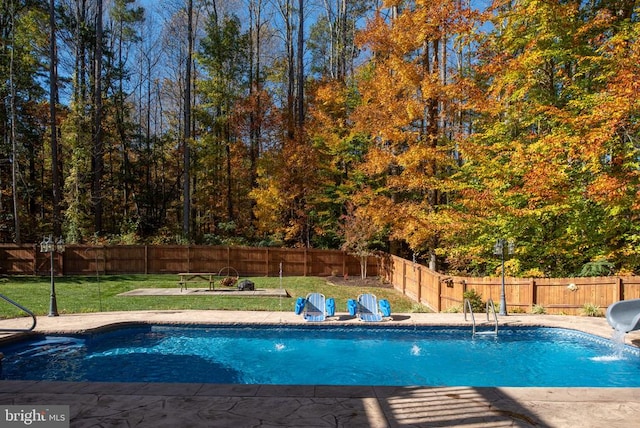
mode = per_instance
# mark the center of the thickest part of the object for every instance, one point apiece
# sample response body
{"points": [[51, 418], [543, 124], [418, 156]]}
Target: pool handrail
{"points": [[466, 304], [19, 306], [490, 306]]}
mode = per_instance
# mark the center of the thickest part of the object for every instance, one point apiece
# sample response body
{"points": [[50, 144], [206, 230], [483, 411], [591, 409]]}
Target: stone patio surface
{"points": [[209, 405]]}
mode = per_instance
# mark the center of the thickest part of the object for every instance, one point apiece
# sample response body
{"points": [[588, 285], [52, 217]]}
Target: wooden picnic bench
{"points": [[191, 277]]}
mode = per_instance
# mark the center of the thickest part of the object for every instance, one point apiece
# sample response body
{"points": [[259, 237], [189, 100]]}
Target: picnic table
{"points": [[192, 277]]}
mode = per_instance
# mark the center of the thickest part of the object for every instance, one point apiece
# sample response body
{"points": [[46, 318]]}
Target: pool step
{"points": [[486, 333]]}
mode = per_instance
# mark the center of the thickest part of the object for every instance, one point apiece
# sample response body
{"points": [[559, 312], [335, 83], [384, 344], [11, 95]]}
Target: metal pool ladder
{"points": [[490, 307], [19, 306]]}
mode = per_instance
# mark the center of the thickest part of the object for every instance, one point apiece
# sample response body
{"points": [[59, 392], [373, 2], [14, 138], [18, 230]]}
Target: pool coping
{"points": [[88, 322], [157, 404]]}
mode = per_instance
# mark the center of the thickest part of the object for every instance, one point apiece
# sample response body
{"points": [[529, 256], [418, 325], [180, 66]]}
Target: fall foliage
{"points": [[426, 129]]}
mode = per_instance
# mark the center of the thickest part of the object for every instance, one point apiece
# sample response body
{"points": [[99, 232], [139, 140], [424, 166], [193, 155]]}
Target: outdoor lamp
{"points": [[46, 245], [59, 246], [49, 245]]}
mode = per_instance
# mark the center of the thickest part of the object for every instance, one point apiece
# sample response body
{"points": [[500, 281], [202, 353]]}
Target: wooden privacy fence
{"points": [[437, 291], [557, 295], [142, 259]]}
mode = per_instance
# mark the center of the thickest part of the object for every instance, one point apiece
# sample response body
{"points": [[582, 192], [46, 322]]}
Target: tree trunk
{"points": [[255, 88], [53, 102], [300, 72], [98, 144], [342, 42], [14, 144], [121, 128], [363, 267], [290, 74], [186, 190]]}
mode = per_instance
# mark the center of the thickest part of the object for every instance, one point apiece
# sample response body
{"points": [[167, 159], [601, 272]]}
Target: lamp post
{"points": [[49, 245], [499, 249]]}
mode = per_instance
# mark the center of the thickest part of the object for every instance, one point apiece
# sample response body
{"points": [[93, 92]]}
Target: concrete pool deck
{"points": [[94, 404]]}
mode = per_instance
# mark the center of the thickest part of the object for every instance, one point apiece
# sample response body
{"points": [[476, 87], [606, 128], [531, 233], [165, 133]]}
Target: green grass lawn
{"points": [[83, 294]]}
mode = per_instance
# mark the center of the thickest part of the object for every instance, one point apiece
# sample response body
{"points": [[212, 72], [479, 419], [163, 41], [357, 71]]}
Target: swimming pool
{"points": [[327, 355]]}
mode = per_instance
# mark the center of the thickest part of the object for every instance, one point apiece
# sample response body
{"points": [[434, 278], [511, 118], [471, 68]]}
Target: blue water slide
{"points": [[624, 315]]}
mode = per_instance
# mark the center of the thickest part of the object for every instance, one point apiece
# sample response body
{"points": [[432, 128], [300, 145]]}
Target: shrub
{"points": [[419, 308], [538, 310], [591, 310], [599, 267], [533, 273], [455, 309], [477, 305]]}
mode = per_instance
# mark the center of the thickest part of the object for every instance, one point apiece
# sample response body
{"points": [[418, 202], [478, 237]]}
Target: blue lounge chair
{"points": [[315, 308], [624, 315], [368, 308]]}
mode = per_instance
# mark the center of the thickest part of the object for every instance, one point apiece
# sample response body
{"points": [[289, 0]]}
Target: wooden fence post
{"points": [[404, 277], [619, 293], [35, 259], [344, 264], [418, 282], [532, 294], [439, 300]]}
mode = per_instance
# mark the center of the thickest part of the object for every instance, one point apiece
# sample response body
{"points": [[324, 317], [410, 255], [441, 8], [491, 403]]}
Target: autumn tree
{"points": [[56, 171], [286, 182], [23, 117], [360, 233], [408, 96], [332, 99], [548, 164], [258, 102], [332, 38], [152, 151], [82, 129], [123, 33], [224, 57], [340, 150]]}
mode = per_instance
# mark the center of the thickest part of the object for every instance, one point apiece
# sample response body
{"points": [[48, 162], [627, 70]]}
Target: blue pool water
{"points": [[345, 355]]}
